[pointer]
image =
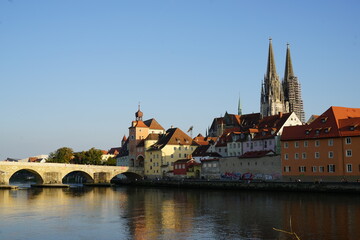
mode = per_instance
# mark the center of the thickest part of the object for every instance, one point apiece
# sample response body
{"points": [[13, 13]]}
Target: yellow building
{"points": [[172, 146]]}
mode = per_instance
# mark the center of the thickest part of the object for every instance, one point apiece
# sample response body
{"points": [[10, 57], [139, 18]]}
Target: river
{"points": [[162, 213]]}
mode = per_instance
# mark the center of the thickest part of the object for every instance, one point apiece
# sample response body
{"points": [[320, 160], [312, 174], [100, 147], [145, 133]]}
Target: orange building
{"points": [[326, 149]]}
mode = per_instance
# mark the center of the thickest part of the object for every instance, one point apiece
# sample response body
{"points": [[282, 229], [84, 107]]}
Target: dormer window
{"points": [[317, 131], [324, 119], [263, 133], [307, 131], [327, 130]]}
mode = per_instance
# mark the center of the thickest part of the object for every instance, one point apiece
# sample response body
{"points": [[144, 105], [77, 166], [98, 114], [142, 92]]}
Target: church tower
{"points": [[272, 95], [292, 89]]}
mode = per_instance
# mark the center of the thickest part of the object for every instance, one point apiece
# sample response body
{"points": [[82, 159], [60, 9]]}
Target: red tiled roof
{"points": [[139, 124], [209, 159], [257, 154], [325, 126]]}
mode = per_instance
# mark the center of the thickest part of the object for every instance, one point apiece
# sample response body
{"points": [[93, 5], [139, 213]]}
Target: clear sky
{"points": [[72, 72]]}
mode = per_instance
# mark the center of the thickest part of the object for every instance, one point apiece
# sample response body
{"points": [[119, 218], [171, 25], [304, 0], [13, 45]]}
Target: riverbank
{"points": [[243, 185]]}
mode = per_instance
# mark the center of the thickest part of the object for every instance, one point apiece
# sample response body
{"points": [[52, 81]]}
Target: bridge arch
{"points": [[76, 175], [37, 176]]}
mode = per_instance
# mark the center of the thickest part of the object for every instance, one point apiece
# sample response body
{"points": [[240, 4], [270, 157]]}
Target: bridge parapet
{"points": [[53, 173]]}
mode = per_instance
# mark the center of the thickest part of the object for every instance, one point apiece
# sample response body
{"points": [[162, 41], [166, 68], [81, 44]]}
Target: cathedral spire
{"points": [[289, 72], [271, 69], [239, 107]]}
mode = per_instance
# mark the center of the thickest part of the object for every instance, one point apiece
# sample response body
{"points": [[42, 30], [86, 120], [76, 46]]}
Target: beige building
{"points": [[170, 147], [262, 165]]}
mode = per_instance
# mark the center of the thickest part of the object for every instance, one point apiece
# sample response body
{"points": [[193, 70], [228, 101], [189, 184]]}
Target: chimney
{"points": [[280, 114]]}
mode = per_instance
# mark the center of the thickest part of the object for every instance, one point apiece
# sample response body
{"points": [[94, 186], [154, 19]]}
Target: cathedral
{"points": [[281, 96]]}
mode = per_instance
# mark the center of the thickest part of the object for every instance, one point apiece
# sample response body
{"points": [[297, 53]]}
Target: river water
{"points": [[162, 213]]}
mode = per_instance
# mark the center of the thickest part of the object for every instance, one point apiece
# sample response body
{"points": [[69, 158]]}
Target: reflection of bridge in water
{"points": [[55, 173]]}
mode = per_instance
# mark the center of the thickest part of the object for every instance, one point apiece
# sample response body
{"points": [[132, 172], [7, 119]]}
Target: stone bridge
{"points": [[54, 173]]}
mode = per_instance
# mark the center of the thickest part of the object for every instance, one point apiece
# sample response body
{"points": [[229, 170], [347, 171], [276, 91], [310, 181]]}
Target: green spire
{"points": [[239, 107]]}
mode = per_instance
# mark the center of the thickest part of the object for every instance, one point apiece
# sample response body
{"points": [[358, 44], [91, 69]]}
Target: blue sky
{"points": [[73, 72]]}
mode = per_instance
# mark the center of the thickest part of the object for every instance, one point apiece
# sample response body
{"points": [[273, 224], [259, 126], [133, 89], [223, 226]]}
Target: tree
{"points": [[93, 156], [110, 162], [62, 155]]}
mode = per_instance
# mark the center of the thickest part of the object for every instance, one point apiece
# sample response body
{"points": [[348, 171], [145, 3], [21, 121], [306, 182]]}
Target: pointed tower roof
{"points": [[124, 138], [289, 72], [271, 69], [239, 107]]}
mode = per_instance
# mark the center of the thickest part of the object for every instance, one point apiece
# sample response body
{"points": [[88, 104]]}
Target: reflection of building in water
{"points": [[160, 214], [323, 216]]}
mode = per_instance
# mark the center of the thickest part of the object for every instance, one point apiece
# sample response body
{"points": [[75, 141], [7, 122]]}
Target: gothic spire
{"points": [[289, 72], [239, 107], [271, 69]]}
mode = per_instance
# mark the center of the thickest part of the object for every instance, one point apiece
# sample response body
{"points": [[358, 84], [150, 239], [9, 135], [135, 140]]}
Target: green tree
{"points": [[62, 155], [93, 156], [110, 162], [79, 158]]}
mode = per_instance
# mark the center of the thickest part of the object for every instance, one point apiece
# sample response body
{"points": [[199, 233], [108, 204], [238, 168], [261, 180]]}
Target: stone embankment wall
{"points": [[259, 186]]}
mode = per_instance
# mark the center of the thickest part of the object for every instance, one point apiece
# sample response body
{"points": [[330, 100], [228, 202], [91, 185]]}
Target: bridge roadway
{"points": [[54, 173]]}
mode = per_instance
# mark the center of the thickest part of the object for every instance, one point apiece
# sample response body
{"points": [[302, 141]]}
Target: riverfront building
{"points": [[170, 147], [326, 149]]}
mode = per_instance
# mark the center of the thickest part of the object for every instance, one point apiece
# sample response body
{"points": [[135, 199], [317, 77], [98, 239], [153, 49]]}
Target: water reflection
{"points": [[149, 213]]}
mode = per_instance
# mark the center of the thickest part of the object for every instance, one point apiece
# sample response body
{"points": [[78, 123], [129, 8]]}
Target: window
{"points": [[183, 166], [331, 168], [185, 155], [214, 164], [317, 155], [348, 140], [305, 143], [317, 143], [348, 167], [296, 144], [296, 156], [348, 152], [265, 144], [174, 148], [313, 169], [331, 154], [286, 156], [330, 142], [303, 155], [172, 155], [302, 169], [287, 169], [179, 148], [179, 155], [321, 168]]}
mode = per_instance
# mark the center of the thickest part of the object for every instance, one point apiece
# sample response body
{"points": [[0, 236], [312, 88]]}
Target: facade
{"points": [[187, 168], [142, 134], [260, 165], [326, 149], [171, 146], [210, 168], [277, 96]]}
